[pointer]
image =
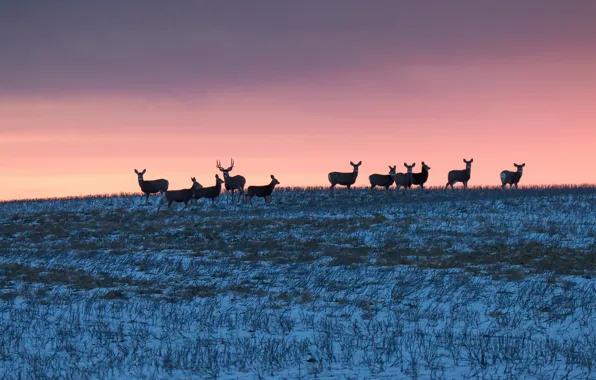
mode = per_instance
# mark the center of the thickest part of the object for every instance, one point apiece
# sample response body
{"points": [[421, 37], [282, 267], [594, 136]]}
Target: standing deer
{"points": [[512, 178], [197, 187], [382, 180], [262, 191], [420, 179], [179, 196], [211, 192], [236, 182], [344, 179], [151, 187], [404, 179], [463, 176]]}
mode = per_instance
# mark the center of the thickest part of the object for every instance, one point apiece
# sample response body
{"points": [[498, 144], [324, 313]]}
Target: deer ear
{"points": [[272, 177], [136, 171], [406, 165], [351, 163], [465, 161], [414, 164], [359, 163], [471, 160], [524, 164], [144, 171]]}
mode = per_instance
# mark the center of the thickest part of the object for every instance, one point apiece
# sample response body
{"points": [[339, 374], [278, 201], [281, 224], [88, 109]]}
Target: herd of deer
{"points": [[408, 179], [197, 191], [233, 183]]}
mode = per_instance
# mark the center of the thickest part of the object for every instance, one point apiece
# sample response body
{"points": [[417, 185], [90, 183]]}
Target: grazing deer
{"points": [[211, 192], [420, 179], [179, 196], [463, 176], [404, 179], [262, 191], [382, 180], [236, 182], [512, 178], [151, 187], [344, 179]]}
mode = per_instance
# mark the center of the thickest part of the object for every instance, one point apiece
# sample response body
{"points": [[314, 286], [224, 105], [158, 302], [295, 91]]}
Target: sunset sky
{"points": [[90, 91]]}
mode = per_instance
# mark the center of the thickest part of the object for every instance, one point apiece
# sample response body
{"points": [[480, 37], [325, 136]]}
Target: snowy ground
{"points": [[437, 285]]}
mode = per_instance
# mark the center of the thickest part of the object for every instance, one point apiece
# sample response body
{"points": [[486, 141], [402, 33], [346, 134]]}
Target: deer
{"points": [[404, 179], [236, 182], [179, 196], [344, 179], [262, 191], [197, 187], [211, 192], [512, 178], [463, 176], [420, 179], [382, 180], [151, 187]]}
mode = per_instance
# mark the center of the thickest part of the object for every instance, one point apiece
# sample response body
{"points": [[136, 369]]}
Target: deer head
{"points": [[409, 167], [468, 163], [226, 172], [355, 166], [425, 166], [274, 180], [218, 181], [195, 184], [140, 174], [520, 168], [392, 170]]}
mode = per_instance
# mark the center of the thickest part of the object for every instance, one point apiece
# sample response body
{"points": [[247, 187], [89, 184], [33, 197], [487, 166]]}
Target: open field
{"points": [[450, 285]]}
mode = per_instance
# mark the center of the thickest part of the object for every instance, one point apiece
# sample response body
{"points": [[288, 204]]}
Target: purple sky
{"points": [[157, 49]]}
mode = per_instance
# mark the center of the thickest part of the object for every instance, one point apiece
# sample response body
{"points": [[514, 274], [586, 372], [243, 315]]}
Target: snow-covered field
{"points": [[448, 285]]}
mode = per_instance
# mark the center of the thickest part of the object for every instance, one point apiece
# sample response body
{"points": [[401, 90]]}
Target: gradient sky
{"points": [[91, 91]]}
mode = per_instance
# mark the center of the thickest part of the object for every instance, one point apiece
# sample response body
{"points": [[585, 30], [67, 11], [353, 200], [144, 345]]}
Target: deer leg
{"points": [[349, 188], [331, 189], [147, 198]]}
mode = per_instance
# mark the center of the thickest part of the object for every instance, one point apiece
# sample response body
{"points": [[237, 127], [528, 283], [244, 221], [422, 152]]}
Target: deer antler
{"points": [[218, 165], [232, 163]]}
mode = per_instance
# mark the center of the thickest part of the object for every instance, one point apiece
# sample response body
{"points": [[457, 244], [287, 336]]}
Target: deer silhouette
{"points": [[404, 179], [151, 187], [382, 180], [262, 191], [463, 176], [512, 178], [344, 179], [420, 179], [232, 183]]}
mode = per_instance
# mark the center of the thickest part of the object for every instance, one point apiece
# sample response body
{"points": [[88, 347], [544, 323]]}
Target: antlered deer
{"points": [[236, 182], [420, 179], [382, 180], [262, 191], [151, 187], [463, 176], [211, 192], [512, 178], [344, 179], [179, 196], [404, 179]]}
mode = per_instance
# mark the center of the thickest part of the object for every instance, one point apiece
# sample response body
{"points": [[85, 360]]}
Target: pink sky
{"points": [[525, 105]]}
